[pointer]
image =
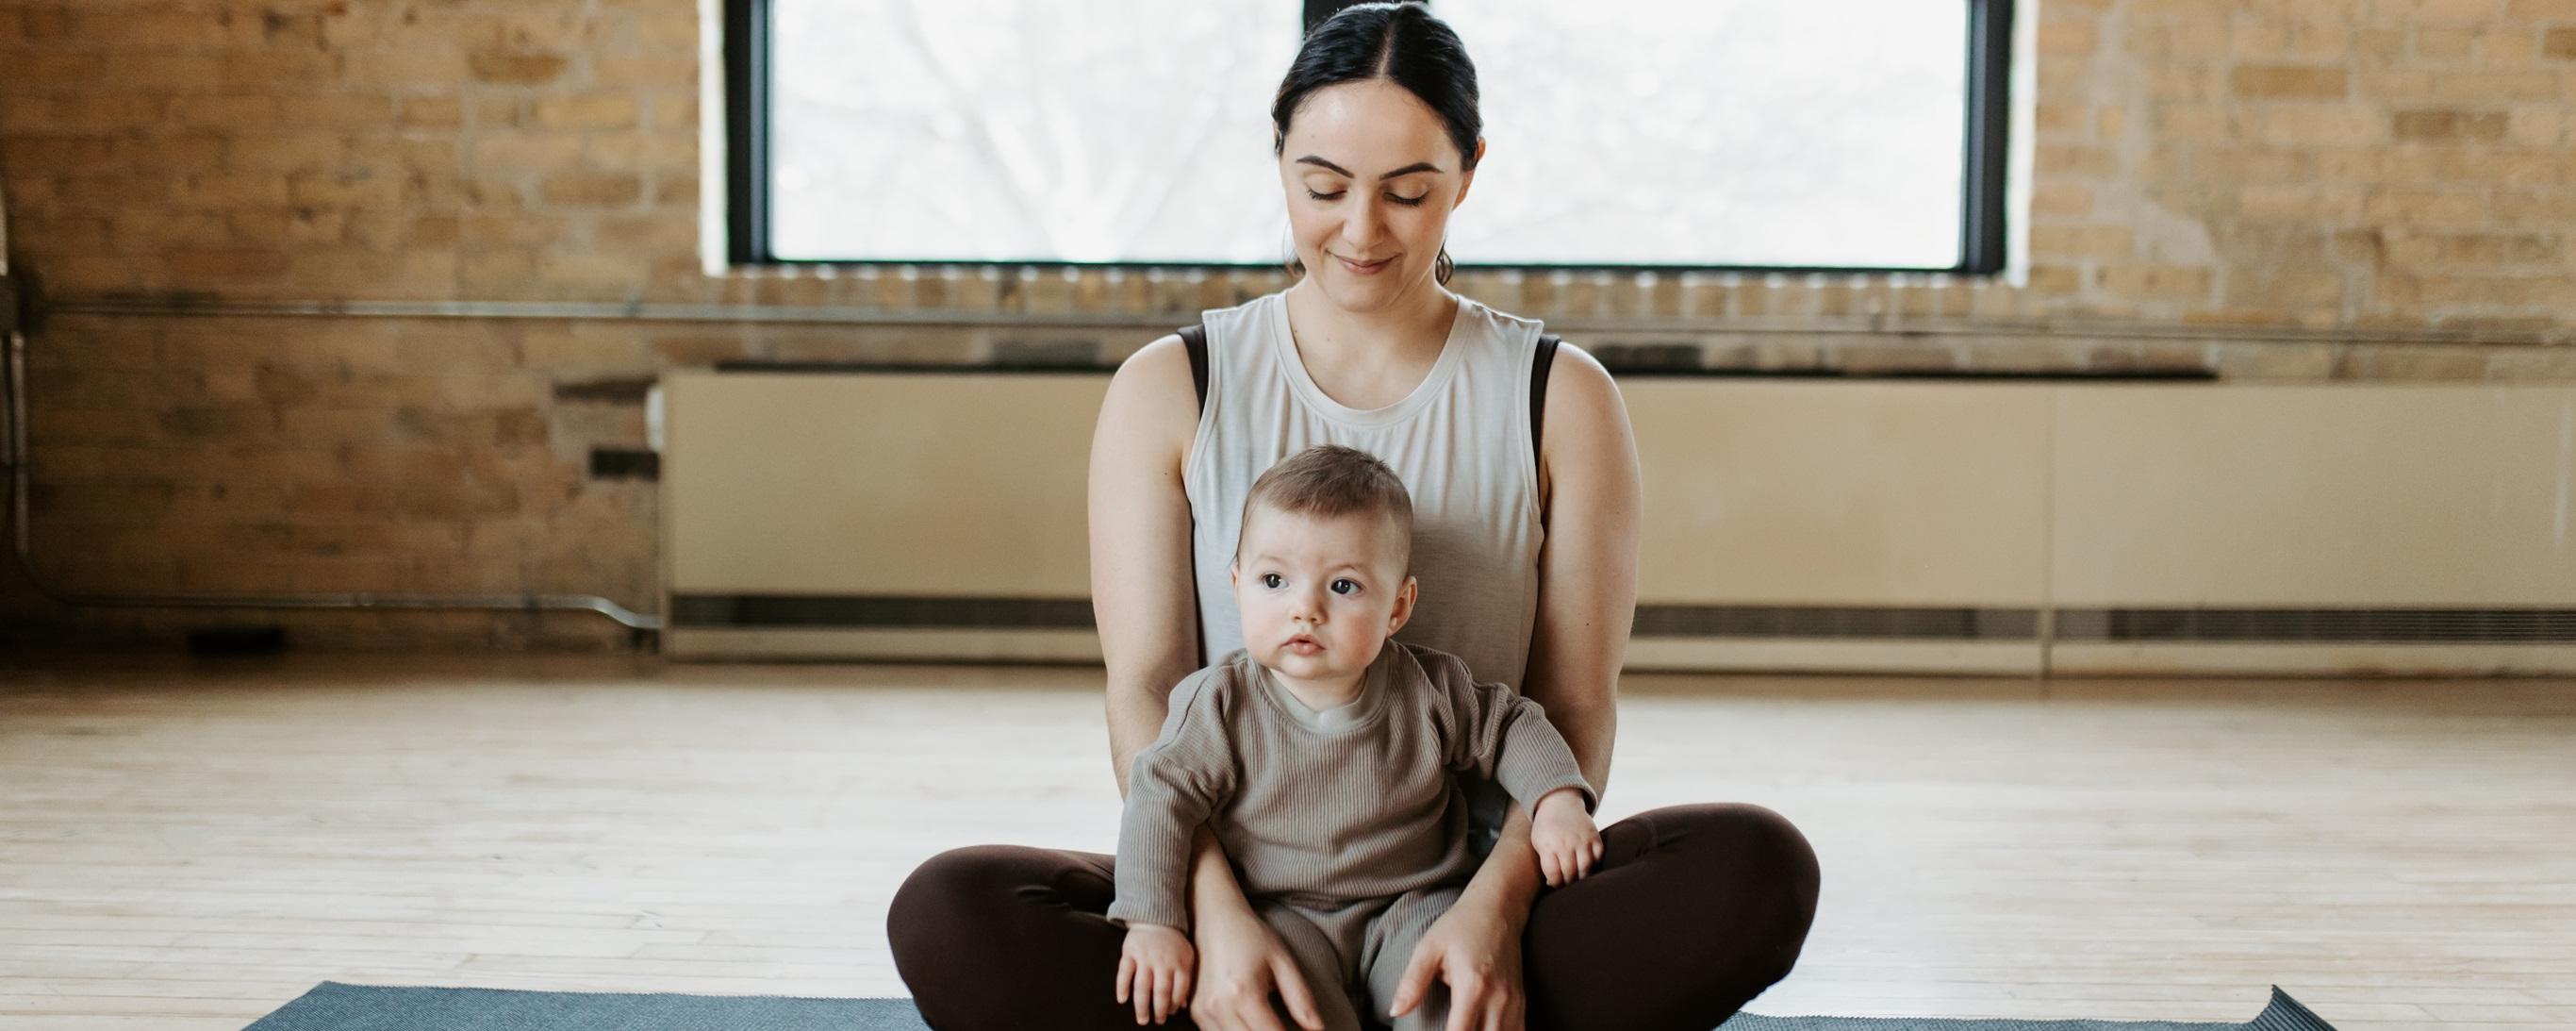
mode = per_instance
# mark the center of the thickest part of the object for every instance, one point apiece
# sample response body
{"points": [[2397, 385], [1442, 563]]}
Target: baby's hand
{"points": [[1563, 834], [1154, 970]]}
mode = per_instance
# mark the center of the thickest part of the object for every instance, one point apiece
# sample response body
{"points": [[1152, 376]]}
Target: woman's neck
{"points": [[1368, 359], [1407, 334]]}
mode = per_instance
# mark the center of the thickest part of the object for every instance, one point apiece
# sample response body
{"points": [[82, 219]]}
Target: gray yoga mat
{"points": [[332, 1006]]}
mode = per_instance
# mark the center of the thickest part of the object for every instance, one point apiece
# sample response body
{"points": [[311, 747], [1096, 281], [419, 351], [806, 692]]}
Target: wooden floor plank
{"points": [[187, 844]]}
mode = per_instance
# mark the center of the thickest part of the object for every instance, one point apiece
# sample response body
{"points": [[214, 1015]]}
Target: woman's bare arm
{"points": [[1587, 604], [1588, 486], [1590, 490], [1142, 596]]}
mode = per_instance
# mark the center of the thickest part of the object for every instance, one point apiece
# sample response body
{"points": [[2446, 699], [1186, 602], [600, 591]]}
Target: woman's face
{"points": [[1371, 177]]}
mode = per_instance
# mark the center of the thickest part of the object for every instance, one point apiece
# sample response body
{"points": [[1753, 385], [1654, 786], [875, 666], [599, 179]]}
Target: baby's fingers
{"points": [[1180, 994], [1126, 969], [1144, 995], [1162, 995]]}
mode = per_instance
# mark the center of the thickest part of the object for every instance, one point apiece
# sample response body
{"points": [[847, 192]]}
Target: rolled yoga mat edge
{"points": [[336, 1006]]}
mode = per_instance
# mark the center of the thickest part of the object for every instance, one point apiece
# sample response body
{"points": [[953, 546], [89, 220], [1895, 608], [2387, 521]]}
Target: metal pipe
{"points": [[191, 305]]}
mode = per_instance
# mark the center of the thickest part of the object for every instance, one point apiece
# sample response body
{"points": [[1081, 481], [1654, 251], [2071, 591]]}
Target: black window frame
{"points": [[1985, 152]]}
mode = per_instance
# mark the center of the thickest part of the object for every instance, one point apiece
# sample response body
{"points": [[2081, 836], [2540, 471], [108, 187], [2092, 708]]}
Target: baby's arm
{"points": [[1154, 971], [1564, 837], [1176, 784], [1500, 731]]}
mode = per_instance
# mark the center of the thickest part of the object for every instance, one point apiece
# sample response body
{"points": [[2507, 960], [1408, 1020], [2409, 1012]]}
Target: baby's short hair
{"points": [[1330, 480]]}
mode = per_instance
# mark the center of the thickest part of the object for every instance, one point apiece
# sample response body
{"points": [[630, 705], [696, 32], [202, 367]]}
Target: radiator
{"points": [[1806, 525]]}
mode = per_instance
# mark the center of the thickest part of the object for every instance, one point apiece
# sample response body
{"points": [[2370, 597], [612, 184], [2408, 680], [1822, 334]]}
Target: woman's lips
{"points": [[1358, 269]]}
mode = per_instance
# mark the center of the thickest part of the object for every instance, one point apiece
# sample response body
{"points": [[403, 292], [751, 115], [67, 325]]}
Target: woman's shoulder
{"points": [[1151, 399], [1161, 370], [1506, 323]]}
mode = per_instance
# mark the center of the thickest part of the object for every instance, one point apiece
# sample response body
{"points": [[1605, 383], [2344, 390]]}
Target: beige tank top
{"points": [[1461, 443]]}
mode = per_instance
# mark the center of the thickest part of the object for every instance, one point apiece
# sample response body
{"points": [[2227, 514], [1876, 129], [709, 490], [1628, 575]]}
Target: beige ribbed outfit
{"points": [[1461, 444], [1347, 827]]}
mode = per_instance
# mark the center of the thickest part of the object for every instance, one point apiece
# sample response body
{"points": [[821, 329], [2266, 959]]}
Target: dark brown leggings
{"points": [[1693, 911]]}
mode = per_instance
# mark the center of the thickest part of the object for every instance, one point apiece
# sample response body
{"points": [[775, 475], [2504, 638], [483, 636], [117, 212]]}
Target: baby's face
{"points": [[1320, 596]]}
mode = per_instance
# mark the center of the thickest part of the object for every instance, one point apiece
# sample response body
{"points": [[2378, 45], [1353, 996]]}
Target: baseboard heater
{"points": [[1672, 636], [1826, 526]]}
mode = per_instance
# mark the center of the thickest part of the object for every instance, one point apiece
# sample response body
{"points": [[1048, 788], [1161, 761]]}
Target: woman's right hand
{"points": [[1240, 961]]}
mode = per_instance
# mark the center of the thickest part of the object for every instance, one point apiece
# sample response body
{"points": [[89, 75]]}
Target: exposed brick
{"points": [[588, 111], [338, 111], [516, 69], [2449, 123], [224, 263], [593, 189], [2265, 81], [2154, 281], [2440, 10], [432, 113]]}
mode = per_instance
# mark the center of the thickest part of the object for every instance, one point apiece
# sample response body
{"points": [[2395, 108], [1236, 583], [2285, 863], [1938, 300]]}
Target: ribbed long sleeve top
{"points": [[1323, 813]]}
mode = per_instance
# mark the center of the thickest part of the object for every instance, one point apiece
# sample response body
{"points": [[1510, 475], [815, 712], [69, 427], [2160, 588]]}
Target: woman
{"points": [[1526, 547]]}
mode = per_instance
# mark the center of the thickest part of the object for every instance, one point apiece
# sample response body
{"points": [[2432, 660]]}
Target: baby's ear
{"points": [[1233, 573], [1404, 601]]}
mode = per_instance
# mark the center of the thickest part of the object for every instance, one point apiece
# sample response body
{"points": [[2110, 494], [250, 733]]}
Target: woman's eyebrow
{"points": [[1418, 166]]}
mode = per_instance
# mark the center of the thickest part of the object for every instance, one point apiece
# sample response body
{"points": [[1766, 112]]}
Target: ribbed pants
{"points": [[1692, 911]]}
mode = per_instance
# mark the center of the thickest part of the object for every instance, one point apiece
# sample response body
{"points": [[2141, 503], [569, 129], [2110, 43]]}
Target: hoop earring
{"points": [[1442, 268]]}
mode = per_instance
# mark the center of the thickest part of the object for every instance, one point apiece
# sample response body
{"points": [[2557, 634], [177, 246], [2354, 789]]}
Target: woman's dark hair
{"points": [[1402, 43]]}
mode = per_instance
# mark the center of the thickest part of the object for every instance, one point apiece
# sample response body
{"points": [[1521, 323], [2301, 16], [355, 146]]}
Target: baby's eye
{"points": [[1271, 580], [1346, 585]]}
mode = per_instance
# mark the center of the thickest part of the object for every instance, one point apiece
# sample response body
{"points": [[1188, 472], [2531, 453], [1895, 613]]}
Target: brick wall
{"points": [[2299, 189]]}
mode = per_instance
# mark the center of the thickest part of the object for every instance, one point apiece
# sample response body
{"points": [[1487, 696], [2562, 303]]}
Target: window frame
{"points": [[1985, 153]]}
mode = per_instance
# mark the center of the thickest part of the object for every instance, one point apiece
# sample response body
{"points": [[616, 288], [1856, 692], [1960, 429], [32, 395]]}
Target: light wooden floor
{"points": [[187, 846]]}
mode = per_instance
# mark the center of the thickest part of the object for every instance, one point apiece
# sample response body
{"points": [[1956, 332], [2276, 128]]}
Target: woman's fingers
{"points": [[1467, 1003], [1293, 991], [1416, 981]]}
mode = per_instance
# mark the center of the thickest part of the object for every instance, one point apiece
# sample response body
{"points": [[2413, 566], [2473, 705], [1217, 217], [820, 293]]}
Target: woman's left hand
{"points": [[1477, 951]]}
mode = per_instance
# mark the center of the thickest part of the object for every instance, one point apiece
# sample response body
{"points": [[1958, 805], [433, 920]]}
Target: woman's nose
{"points": [[1361, 228]]}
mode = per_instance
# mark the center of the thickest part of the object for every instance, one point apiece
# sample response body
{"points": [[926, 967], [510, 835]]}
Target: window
{"points": [[1655, 134]]}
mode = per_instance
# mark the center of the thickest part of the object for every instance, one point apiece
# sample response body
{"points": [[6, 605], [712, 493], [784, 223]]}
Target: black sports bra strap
{"points": [[1539, 367], [1194, 339]]}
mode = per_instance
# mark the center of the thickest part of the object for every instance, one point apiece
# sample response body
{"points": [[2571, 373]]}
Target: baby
{"points": [[1324, 756]]}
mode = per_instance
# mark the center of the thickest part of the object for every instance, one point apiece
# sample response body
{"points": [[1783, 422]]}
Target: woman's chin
{"points": [[1362, 294]]}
